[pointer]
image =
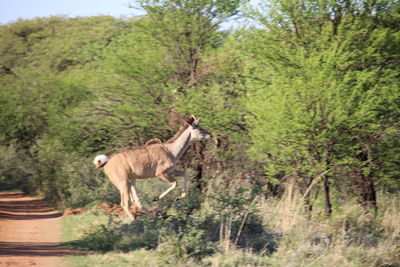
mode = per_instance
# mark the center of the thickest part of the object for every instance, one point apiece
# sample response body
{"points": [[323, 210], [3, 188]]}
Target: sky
{"points": [[11, 10]]}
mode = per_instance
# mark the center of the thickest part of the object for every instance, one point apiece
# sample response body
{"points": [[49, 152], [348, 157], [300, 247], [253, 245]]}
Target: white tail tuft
{"points": [[100, 160]]}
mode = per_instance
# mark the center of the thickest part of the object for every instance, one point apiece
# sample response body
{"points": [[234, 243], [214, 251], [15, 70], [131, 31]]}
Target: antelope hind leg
{"points": [[125, 194], [134, 198]]}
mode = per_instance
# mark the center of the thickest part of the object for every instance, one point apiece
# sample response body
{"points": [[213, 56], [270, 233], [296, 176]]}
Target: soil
{"points": [[30, 232], [118, 211]]}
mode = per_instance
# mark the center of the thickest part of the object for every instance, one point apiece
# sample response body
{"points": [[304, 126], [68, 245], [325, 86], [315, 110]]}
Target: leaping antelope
{"points": [[154, 159]]}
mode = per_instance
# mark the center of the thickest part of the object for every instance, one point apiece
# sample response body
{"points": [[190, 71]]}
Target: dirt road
{"points": [[29, 232]]}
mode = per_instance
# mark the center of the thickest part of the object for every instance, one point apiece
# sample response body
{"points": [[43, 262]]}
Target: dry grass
{"points": [[352, 237]]}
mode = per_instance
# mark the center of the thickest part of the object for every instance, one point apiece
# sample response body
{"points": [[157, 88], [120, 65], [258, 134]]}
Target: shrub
{"points": [[15, 168]]}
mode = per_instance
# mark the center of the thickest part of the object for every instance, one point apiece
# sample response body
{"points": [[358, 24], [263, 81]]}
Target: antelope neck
{"points": [[180, 145]]}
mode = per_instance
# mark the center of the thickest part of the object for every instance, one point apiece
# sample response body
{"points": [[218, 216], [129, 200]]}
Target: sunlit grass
{"points": [[145, 258], [351, 237], [75, 227]]}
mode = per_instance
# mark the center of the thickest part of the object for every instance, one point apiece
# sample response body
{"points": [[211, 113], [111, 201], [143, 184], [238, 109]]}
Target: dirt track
{"points": [[29, 232]]}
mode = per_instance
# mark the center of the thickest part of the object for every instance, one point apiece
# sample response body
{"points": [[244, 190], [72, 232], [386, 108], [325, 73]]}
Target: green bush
{"points": [[15, 168]]}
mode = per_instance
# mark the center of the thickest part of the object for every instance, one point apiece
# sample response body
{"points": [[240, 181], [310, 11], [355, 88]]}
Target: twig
{"points": [[314, 182], [246, 213]]}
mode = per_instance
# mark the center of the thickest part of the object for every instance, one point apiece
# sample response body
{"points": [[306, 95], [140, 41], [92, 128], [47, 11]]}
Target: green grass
{"points": [[75, 227], [143, 258]]}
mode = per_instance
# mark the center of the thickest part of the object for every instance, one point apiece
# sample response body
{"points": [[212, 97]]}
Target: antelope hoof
{"points": [[183, 195], [156, 199], [140, 212]]}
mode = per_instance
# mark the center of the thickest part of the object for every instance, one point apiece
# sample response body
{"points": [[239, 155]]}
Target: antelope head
{"points": [[196, 131]]}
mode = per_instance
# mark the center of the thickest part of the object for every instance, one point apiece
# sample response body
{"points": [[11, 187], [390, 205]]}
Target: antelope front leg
{"points": [[185, 182], [169, 178]]}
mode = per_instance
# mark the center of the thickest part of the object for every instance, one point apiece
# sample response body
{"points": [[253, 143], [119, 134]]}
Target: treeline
{"points": [[306, 103]]}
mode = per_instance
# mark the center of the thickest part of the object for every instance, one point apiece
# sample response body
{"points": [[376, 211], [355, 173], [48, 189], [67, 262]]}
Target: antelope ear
{"points": [[192, 119]]}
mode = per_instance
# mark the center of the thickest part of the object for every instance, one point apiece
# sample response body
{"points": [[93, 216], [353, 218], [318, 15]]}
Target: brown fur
{"points": [[153, 141], [142, 162]]}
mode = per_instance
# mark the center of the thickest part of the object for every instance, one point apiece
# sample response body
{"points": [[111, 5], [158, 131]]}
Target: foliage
{"points": [[327, 96], [304, 109], [14, 171]]}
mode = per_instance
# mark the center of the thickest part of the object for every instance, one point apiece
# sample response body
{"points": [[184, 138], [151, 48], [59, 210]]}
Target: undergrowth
{"points": [[249, 231]]}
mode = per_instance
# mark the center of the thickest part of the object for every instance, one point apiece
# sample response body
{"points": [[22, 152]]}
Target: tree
{"points": [[187, 29], [323, 86], [42, 65], [41, 62]]}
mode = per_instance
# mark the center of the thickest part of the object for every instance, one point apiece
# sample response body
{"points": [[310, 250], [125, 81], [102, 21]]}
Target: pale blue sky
{"points": [[11, 10]]}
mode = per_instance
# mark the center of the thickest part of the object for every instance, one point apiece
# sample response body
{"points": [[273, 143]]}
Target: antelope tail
{"points": [[100, 161]]}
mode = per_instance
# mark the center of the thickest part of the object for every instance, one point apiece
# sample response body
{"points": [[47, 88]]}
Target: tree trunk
{"points": [[198, 179], [367, 190], [327, 195], [328, 205], [365, 183]]}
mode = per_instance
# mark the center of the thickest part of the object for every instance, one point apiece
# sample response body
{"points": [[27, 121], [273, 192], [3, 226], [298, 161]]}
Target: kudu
{"points": [[154, 159]]}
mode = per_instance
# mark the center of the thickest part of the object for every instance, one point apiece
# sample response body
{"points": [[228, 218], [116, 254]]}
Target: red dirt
{"points": [[29, 232]]}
